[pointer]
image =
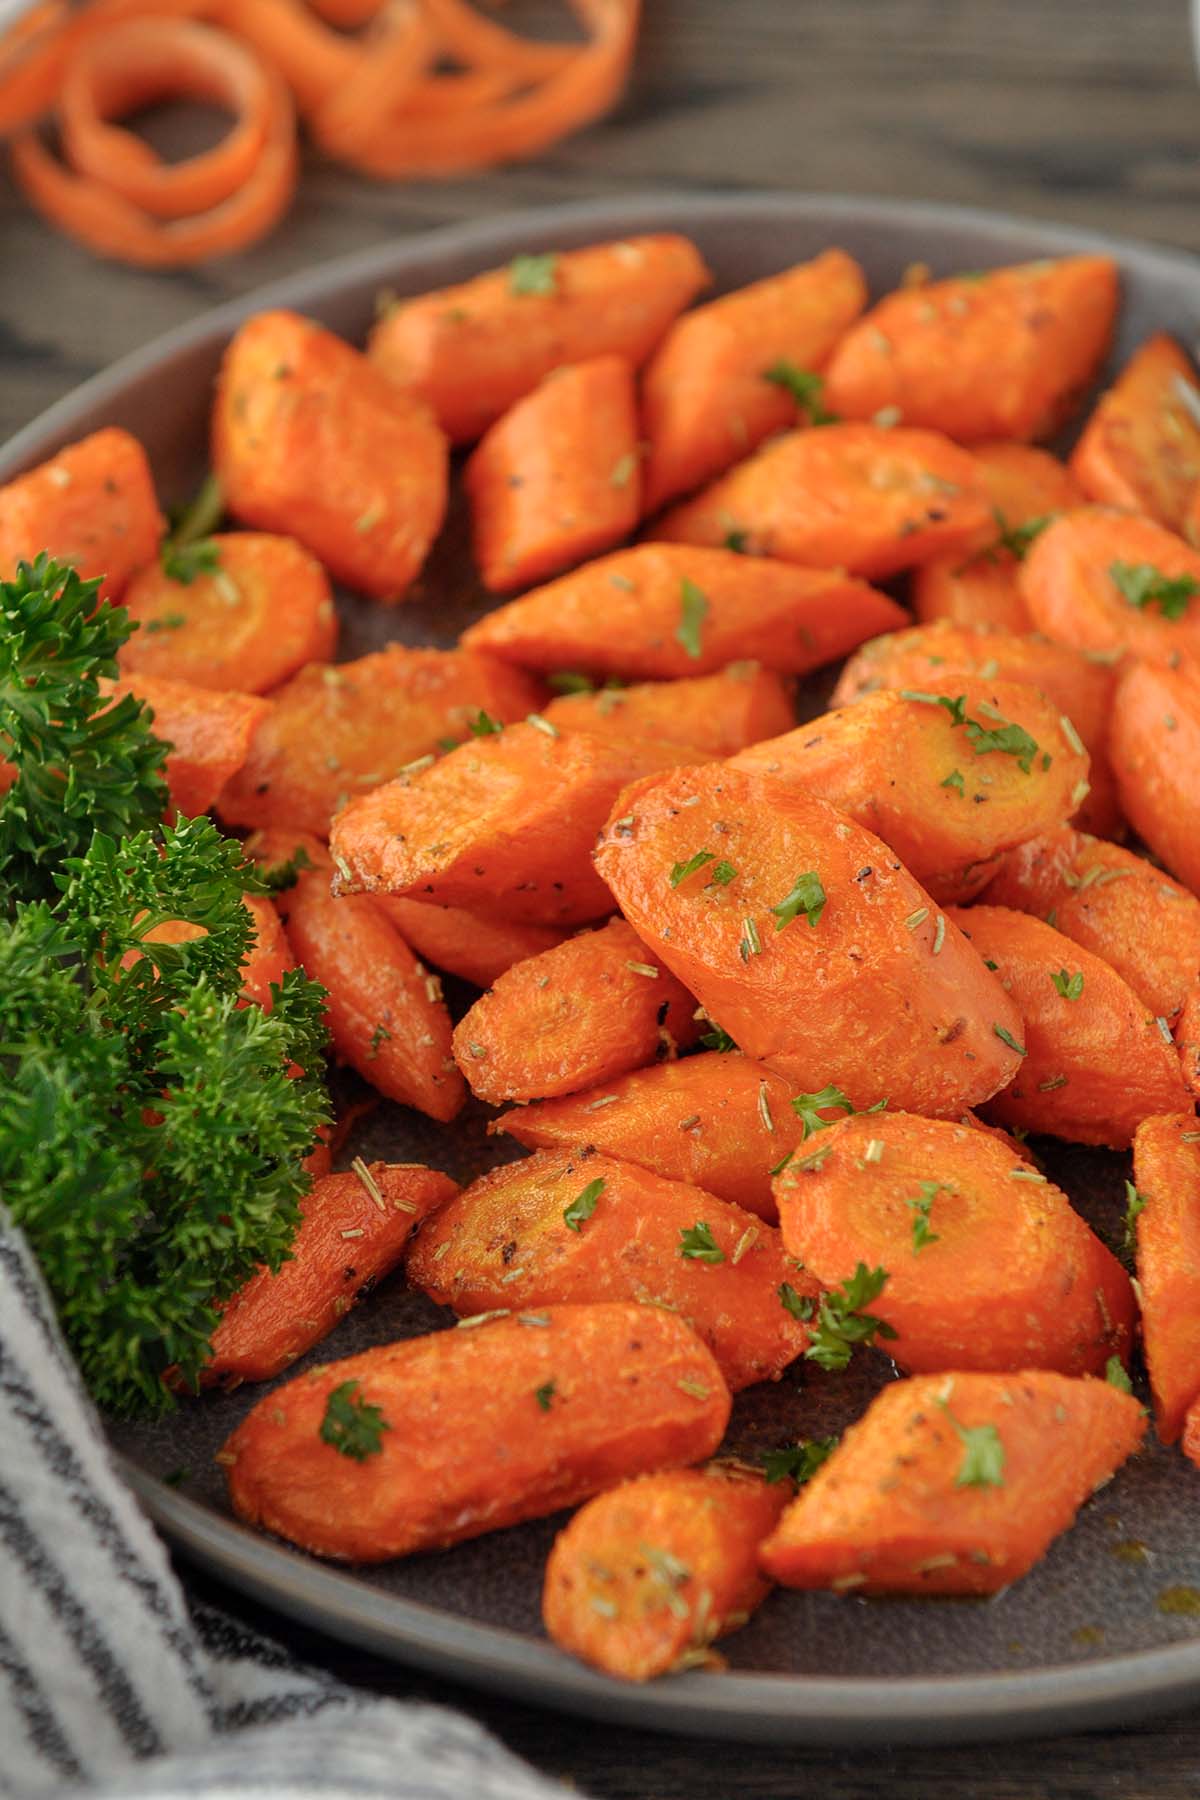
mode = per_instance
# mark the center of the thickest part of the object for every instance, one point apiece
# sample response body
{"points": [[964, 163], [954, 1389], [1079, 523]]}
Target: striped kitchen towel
{"points": [[109, 1685]]}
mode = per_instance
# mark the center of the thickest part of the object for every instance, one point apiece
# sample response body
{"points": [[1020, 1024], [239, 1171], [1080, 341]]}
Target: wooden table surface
{"points": [[1085, 113]]}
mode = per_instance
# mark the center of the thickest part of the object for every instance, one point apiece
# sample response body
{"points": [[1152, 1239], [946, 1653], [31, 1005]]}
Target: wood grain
{"points": [[1084, 113]]}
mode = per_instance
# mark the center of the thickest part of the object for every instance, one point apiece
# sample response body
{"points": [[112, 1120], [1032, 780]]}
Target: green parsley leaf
{"points": [[1069, 986], [1006, 1037], [722, 875], [809, 1107], [805, 387], [953, 780], [717, 1039], [693, 604], [799, 1463], [1014, 540], [737, 540], [1114, 1374], [545, 1395], [483, 725], [841, 1324], [1142, 585], [697, 1244], [569, 681], [957, 707], [983, 1453], [807, 897], [1134, 1202], [681, 871], [380, 1035], [351, 1424], [921, 1206], [584, 1205], [1010, 740], [276, 878], [165, 622], [800, 1306], [533, 274], [184, 562]]}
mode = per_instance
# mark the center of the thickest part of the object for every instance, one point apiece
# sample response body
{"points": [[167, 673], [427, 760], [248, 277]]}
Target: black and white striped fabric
{"points": [[109, 1685]]}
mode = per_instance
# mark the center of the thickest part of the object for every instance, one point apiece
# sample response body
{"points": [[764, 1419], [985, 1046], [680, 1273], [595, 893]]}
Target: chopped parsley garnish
{"points": [[809, 1107], [681, 871], [800, 1306], [717, 1039], [693, 610], [1003, 736], [807, 897], [697, 1244], [723, 874], [584, 1205], [533, 274], [166, 622], [570, 681], [380, 1035], [184, 562], [1114, 1374], [983, 1453], [921, 1206], [805, 387], [278, 877], [736, 541], [953, 780], [351, 1424], [1069, 986], [1015, 539], [483, 725], [1134, 1202], [750, 944], [840, 1324], [545, 1395], [1006, 1037], [1142, 585], [799, 1463]]}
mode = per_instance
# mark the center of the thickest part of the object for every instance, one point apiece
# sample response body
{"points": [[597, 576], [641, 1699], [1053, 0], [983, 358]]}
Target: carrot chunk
{"points": [[717, 713], [729, 374], [858, 497], [270, 955], [647, 1576], [988, 1266], [472, 945], [1166, 1178], [561, 1227], [817, 913], [1095, 1061], [334, 731], [1113, 583], [92, 505], [353, 1231], [1187, 1036], [954, 1484], [1140, 449], [586, 1011], [311, 440], [581, 1397], [556, 479], [664, 610], [210, 734], [473, 350], [1156, 755], [1002, 354]]}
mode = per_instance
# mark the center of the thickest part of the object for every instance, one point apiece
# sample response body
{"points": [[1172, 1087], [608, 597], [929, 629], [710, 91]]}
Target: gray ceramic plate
{"points": [[1087, 1637]]}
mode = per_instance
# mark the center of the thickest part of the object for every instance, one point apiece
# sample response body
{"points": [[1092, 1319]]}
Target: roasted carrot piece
{"points": [[472, 945], [1140, 448], [717, 713], [93, 505], [577, 1226], [954, 1484], [817, 913], [719, 1120], [948, 777], [1080, 688], [1116, 904], [988, 1266], [722, 379], [353, 1230], [334, 731], [1166, 1178], [260, 612], [473, 350], [1187, 1036], [1114, 583], [1156, 755], [661, 611], [386, 1015], [647, 1576], [394, 1450], [1096, 1061], [310, 439], [858, 497], [210, 734], [507, 823], [556, 480], [1003, 354], [586, 1011], [269, 956]]}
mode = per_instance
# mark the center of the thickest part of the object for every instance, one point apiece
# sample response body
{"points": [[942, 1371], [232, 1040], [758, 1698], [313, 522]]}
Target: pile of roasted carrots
{"points": [[391, 88], [773, 1007]]}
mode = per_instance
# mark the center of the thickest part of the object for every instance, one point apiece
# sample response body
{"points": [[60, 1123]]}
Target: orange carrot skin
{"points": [[334, 731], [623, 614], [586, 1011], [928, 1042], [506, 823], [886, 761], [1187, 1036], [250, 624], [1156, 754], [859, 497], [1140, 449], [93, 505], [630, 1389], [1067, 584], [997, 1271], [1095, 1066], [472, 945], [473, 350], [270, 955], [1166, 1173], [887, 1514], [1116, 904], [505, 1242], [707, 400], [210, 734], [310, 440], [556, 480], [978, 584], [719, 714], [1003, 354], [386, 1015], [346, 1243], [719, 1120], [1078, 687], [648, 1575]]}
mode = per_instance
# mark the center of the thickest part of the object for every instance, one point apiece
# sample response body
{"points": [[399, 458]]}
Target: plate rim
{"points": [[764, 1707]]}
